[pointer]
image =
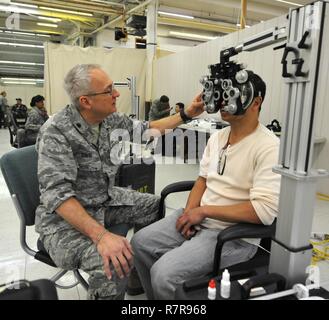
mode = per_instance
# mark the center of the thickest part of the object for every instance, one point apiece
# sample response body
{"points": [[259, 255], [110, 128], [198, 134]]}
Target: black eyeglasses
{"points": [[108, 92], [222, 161]]}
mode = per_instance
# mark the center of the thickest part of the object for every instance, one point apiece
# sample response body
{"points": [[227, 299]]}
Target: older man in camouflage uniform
{"points": [[78, 160]]}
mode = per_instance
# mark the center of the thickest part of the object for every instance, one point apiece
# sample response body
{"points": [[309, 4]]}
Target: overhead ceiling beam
{"points": [[216, 17], [11, 38], [215, 27], [18, 70], [107, 4], [267, 9], [15, 53]]}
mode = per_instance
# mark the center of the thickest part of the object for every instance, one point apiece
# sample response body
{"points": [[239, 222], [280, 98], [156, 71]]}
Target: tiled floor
{"points": [[15, 264]]}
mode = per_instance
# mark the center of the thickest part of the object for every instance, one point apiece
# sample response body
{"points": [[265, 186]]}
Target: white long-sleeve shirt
{"points": [[247, 176]]}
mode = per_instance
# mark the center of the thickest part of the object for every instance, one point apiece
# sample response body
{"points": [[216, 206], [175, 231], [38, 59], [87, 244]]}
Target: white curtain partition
{"points": [[178, 77], [119, 63]]}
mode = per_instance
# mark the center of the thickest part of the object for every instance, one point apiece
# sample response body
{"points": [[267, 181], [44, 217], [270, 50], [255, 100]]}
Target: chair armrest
{"points": [[177, 187], [172, 188], [238, 231]]}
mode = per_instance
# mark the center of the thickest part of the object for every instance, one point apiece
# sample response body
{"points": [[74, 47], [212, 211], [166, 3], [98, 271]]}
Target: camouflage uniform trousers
{"points": [[70, 249]]}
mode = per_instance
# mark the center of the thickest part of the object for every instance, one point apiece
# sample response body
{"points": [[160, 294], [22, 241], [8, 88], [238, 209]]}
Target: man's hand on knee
{"points": [[186, 222], [116, 250]]}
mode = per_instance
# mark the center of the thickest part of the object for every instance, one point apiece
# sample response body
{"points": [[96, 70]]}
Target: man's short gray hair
{"points": [[78, 81]]}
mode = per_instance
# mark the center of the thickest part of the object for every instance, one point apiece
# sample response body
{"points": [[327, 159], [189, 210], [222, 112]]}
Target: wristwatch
{"points": [[184, 117]]}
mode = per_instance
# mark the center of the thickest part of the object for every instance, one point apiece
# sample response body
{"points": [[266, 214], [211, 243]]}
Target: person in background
{"points": [[3, 109], [179, 106], [19, 113], [35, 119], [19, 108], [160, 108]]}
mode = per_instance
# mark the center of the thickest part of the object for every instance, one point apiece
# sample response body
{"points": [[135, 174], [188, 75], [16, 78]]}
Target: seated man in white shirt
{"points": [[235, 184]]}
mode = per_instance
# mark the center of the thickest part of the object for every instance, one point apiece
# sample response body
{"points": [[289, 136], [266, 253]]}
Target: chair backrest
{"points": [[12, 122], [20, 171]]}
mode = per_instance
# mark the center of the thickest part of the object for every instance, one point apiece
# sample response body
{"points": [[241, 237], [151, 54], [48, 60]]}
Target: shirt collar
{"points": [[84, 128]]}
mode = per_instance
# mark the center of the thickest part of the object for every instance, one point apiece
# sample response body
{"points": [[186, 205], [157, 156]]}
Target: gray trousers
{"points": [[164, 259], [70, 249]]}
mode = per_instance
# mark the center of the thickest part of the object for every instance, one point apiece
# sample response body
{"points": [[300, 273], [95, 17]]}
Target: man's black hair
{"points": [[259, 86], [180, 104]]}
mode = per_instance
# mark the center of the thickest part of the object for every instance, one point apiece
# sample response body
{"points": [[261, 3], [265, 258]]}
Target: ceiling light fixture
{"points": [[15, 9], [18, 32], [47, 25], [43, 35], [175, 15], [19, 82], [24, 5], [191, 35], [49, 19], [21, 45], [23, 79], [26, 33], [292, 3], [21, 62], [67, 11]]}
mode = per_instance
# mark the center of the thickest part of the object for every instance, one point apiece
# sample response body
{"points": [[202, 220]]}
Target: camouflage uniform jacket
{"points": [[36, 118], [72, 164]]}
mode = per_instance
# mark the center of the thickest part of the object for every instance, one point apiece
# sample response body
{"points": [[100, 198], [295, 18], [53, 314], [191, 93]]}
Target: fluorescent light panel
{"points": [[21, 62], [18, 82], [47, 25], [67, 11], [50, 19], [175, 15], [17, 32], [22, 79], [24, 5], [26, 33], [21, 45], [292, 3], [191, 35], [18, 10]]}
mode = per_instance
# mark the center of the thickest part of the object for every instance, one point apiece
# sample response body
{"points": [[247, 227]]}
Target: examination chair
{"points": [[19, 168], [255, 266]]}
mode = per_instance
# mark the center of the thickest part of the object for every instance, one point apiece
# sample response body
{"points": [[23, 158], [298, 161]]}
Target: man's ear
{"points": [[85, 102], [257, 103]]}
